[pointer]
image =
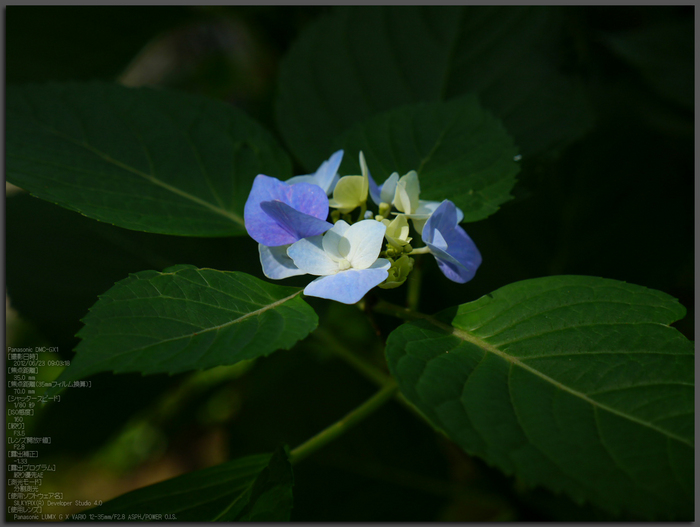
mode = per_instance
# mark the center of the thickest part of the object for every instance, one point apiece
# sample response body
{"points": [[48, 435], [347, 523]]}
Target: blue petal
{"points": [[348, 286], [327, 173], [455, 252], [461, 260], [295, 223], [325, 177], [276, 264], [374, 191], [303, 197], [443, 219]]}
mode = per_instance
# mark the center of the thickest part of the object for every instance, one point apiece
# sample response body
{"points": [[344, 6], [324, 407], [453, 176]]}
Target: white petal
{"points": [[363, 165], [276, 264], [427, 207], [389, 188], [365, 238], [309, 256], [381, 263], [333, 241], [309, 178], [407, 192], [401, 200]]}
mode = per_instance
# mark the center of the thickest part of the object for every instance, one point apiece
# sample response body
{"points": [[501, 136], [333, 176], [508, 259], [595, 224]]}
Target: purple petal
{"points": [[348, 286], [303, 197], [295, 223]]}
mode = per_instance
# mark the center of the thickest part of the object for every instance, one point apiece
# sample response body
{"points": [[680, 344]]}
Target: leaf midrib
{"points": [[151, 178], [214, 328], [468, 337]]}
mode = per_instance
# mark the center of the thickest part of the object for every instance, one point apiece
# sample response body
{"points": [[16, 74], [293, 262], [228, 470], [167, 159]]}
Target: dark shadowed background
{"points": [[606, 189]]}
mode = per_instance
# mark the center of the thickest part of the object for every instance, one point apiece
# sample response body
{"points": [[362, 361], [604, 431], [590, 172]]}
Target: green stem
{"points": [[420, 250], [414, 284], [340, 427], [369, 370], [386, 308]]}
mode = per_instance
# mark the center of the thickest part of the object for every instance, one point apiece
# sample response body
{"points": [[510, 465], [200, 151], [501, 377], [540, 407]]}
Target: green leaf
{"points": [[269, 499], [138, 158], [575, 383], [253, 488], [361, 60], [459, 150], [187, 319], [88, 257]]}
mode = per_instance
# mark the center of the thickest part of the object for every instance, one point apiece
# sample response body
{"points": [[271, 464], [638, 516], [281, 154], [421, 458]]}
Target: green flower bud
{"points": [[384, 209], [398, 272]]}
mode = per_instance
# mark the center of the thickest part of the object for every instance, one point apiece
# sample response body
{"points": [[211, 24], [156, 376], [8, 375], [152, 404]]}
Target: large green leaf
{"points": [[459, 150], [187, 319], [361, 60], [253, 488], [88, 257], [143, 159], [575, 383]]}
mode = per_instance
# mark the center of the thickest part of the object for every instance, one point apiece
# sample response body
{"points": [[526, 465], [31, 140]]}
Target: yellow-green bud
{"points": [[398, 272], [384, 209]]}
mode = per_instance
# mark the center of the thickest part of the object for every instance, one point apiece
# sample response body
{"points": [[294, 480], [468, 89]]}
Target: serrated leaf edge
{"points": [[468, 337]]}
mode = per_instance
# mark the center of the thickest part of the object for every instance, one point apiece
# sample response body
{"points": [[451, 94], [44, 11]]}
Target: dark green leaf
{"points": [[187, 319], [362, 60], [459, 150], [253, 488], [146, 160], [269, 499], [575, 383], [58, 261]]}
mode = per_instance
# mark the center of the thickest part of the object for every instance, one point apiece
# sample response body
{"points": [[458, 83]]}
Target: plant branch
{"points": [[366, 368], [369, 370], [387, 308], [343, 425], [414, 284]]}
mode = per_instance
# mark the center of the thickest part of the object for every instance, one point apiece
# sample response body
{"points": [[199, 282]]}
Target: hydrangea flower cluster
{"points": [[301, 231]]}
